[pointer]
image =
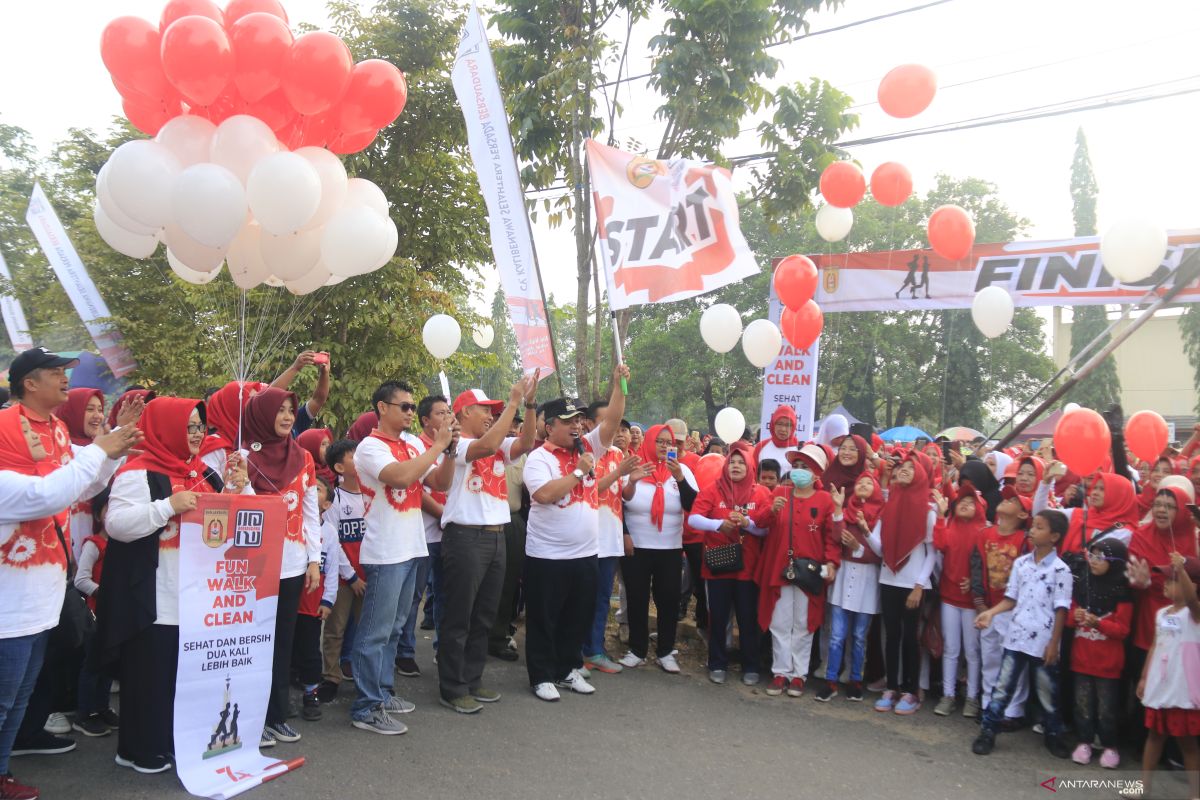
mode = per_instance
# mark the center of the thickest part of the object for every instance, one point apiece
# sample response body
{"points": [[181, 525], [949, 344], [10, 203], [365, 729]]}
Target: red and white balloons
{"points": [[951, 232], [907, 90]]}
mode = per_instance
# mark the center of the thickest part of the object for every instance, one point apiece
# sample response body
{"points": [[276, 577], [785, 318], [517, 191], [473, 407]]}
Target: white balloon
{"points": [[246, 265], [361, 192], [389, 246], [191, 253], [334, 280], [188, 137], [140, 176], [104, 197], [239, 142], [833, 223], [1069, 407], [127, 243], [721, 327], [1132, 249], [209, 203], [483, 336], [762, 342], [315, 279], [273, 281], [188, 274], [352, 241], [729, 424], [992, 311], [441, 335], [333, 183], [291, 256], [284, 191]]}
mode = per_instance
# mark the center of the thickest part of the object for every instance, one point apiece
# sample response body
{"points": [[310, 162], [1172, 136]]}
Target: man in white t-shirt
{"points": [[473, 545], [562, 542], [392, 465]]}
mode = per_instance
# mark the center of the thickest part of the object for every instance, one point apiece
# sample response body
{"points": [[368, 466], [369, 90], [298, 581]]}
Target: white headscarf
{"points": [[835, 426], [1001, 462]]}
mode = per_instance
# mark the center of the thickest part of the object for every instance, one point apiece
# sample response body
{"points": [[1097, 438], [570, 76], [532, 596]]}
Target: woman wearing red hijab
{"points": [[722, 513], [280, 466], [1110, 509], [780, 437], [903, 538], [362, 427], [226, 409], [1170, 529], [849, 462], [658, 494], [128, 407], [138, 611], [84, 414], [316, 441]]}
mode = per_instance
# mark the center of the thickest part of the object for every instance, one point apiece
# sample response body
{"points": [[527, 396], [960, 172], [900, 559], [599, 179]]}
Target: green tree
{"points": [[1102, 387]]}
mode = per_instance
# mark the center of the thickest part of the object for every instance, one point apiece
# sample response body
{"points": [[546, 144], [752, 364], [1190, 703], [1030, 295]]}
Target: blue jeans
{"points": [[593, 645], [852, 623], [20, 662], [385, 608], [1045, 681], [408, 635]]}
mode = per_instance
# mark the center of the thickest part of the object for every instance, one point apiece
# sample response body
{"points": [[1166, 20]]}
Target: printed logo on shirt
{"points": [[488, 477], [351, 530], [292, 498], [248, 528]]}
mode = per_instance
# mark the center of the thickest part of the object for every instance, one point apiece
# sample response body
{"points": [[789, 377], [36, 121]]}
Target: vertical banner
{"points": [[73, 276], [230, 551], [791, 379], [14, 315], [478, 91]]}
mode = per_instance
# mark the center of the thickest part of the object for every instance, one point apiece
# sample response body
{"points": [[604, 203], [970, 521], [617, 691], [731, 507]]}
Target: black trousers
{"points": [[900, 648], [149, 662], [696, 583], [560, 602], [472, 580], [726, 595], [514, 566], [654, 572], [306, 649], [285, 630]]}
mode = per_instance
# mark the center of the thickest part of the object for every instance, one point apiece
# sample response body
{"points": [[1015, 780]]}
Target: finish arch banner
{"points": [[230, 551], [1067, 272]]}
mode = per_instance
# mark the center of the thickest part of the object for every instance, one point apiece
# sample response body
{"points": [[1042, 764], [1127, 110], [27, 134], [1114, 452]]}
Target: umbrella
{"points": [[961, 434], [905, 433]]}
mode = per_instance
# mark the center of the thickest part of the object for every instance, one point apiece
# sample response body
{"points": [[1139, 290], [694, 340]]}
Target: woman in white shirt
{"points": [[656, 497]]}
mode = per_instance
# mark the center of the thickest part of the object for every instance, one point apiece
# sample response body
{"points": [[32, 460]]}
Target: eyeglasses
{"points": [[1159, 505], [196, 428], [1094, 556], [406, 407]]}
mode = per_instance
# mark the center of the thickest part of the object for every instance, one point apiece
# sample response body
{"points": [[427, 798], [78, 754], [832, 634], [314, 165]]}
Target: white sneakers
{"points": [[631, 661], [576, 683], [668, 662], [546, 691]]}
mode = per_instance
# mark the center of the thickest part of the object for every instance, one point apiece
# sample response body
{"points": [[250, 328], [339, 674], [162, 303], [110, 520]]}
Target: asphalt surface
{"points": [[644, 733]]}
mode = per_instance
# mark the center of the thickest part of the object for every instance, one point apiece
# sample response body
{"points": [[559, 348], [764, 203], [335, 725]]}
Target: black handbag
{"points": [[803, 573], [76, 622], [725, 558]]}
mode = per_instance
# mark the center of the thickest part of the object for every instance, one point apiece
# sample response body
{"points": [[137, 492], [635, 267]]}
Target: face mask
{"points": [[802, 478]]}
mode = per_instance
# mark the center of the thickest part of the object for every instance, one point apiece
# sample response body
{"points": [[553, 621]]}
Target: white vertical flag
{"points": [[73, 276], [14, 315]]}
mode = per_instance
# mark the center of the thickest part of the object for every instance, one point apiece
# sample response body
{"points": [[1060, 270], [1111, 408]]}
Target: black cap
{"points": [[561, 408], [36, 358]]}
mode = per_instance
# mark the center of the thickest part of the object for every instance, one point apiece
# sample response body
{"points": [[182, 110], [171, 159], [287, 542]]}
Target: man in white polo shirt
{"points": [[562, 543], [473, 553]]}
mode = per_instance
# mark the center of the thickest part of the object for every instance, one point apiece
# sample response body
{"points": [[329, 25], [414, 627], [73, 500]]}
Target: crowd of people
{"points": [[833, 567]]}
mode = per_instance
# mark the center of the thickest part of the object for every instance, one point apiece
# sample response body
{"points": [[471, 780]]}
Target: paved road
{"points": [[643, 734]]}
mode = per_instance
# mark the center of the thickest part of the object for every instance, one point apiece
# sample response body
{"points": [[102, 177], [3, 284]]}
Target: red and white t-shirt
{"points": [[479, 493], [611, 531], [570, 527], [395, 531], [302, 538]]}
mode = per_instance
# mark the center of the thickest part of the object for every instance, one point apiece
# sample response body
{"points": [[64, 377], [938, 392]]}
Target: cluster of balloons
{"points": [[232, 192], [1082, 440], [795, 281], [721, 329], [203, 61]]}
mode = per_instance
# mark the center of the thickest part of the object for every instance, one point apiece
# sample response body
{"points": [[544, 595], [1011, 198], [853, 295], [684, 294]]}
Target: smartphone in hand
{"points": [[321, 358]]}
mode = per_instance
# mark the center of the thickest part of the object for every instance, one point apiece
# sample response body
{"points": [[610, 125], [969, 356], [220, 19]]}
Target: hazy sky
{"points": [[1009, 55]]}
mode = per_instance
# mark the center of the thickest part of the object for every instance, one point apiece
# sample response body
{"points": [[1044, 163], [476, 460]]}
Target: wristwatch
{"points": [[578, 473]]}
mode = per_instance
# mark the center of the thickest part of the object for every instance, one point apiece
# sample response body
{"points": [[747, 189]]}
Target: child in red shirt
{"points": [[956, 537]]}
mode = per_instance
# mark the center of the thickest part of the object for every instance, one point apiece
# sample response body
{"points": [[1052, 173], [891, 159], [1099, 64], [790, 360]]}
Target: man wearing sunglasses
{"points": [[392, 464]]}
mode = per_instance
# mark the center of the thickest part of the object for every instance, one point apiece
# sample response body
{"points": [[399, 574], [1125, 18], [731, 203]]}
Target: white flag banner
{"points": [[14, 315], [230, 550], [791, 380], [73, 276], [668, 229], [478, 91]]}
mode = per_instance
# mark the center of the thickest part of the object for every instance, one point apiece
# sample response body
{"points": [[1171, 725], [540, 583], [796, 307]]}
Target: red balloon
{"points": [[130, 49], [802, 326], [274, 109], [149, 116], [346, 143], [795, 281], [198, 59], [178, 9], [317, 72], [843, 184], [315, 130], [708, 469], [240, 8], [260, 49], [951, 232], [1146, 435], [374, 98], [907, 90], [1082, 440], [891, 184]]}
